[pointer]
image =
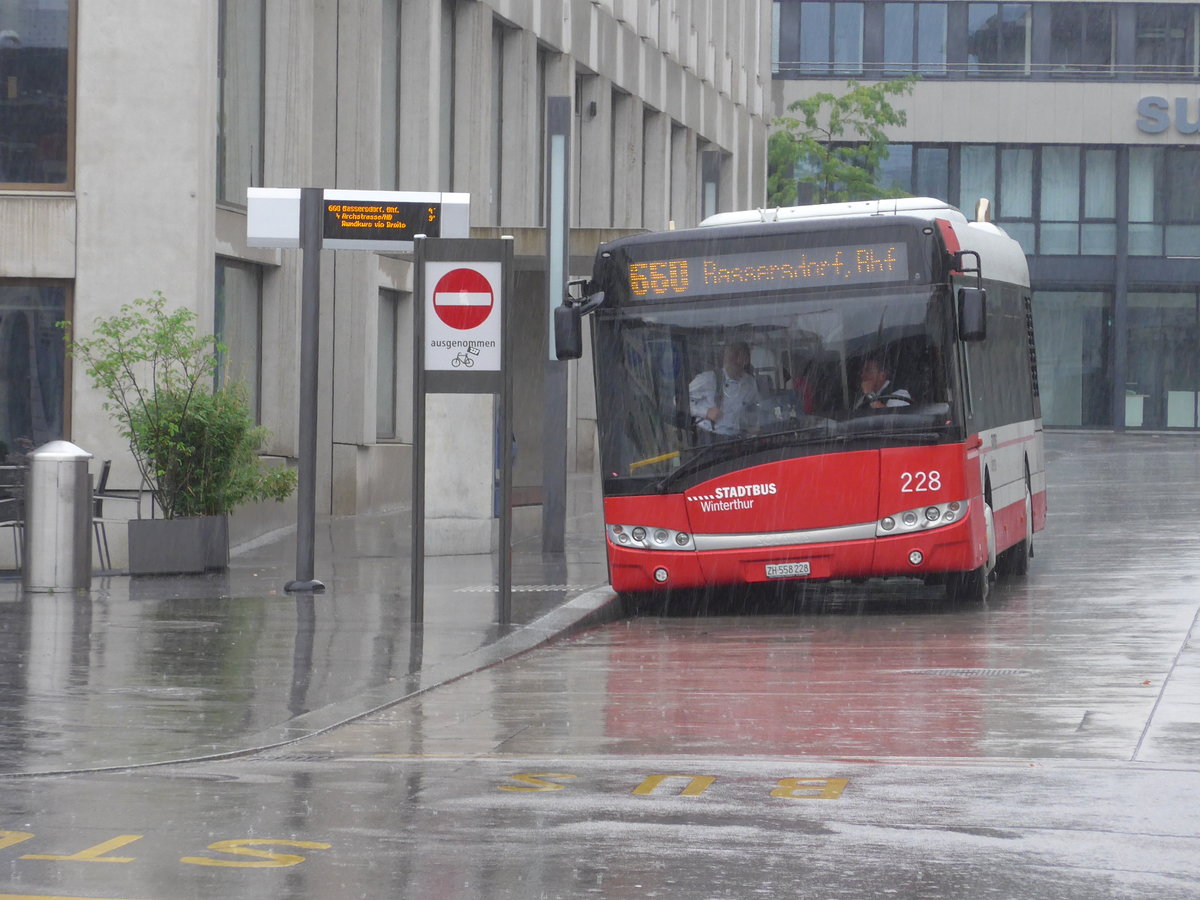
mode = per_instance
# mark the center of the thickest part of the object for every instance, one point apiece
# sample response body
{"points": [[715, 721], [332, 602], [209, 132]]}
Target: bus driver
{"points": [[877, 389], [719, 398]]}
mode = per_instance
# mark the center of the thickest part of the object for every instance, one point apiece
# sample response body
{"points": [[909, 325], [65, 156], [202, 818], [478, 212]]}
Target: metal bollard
{"points": [[58, 519]]}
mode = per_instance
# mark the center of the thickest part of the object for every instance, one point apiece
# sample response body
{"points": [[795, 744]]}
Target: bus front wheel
{"points": [[972, 587], [967, 587]]}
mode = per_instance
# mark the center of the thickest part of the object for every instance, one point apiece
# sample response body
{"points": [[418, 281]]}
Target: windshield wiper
{"points": [[709, 453], [796, 437], [702, 456]]}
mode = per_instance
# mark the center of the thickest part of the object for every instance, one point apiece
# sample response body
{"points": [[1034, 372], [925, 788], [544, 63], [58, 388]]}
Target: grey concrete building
{"points": [[1082, 122], [130, 131]]}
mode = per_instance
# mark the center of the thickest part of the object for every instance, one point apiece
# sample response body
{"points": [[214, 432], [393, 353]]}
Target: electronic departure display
{"points": [[367, 220], [768, 270]]}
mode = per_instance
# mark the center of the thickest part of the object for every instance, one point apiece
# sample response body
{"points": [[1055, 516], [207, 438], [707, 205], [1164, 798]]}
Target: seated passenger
{"points": [[878, 392], [720, 398]]}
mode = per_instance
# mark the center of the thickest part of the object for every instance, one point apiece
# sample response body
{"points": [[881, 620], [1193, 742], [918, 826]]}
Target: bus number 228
{"points": [[919, 482]]}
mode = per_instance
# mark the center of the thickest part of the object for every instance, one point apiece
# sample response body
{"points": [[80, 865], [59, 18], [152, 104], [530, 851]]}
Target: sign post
{"points": [[462, 293], [312, 219], [310, 351], [554, 444]]}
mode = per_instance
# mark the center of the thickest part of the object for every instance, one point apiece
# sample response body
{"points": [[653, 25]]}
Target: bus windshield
{"points": [[690, 388]]}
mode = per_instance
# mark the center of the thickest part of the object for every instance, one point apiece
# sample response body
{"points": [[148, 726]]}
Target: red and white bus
{"points": [[844, 391]]}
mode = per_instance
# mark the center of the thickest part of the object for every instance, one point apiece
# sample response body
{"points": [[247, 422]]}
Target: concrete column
{"points": [[684, 183], [595, 153], [425, 36], [656, 180], [521, 120], [144, 186], [288, 162], [627, 161], [474, 153], [353, 303]]}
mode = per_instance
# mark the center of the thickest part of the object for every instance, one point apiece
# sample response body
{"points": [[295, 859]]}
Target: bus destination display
{"points": [[366, 220], [739, 273]]}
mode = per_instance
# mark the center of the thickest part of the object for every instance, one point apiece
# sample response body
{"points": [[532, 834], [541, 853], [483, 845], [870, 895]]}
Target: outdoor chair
{"points": [[99, 522]]}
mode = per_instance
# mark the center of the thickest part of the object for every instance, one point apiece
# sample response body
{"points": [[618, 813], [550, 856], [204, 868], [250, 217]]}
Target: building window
{"points": [[1073, 336], [36, 100], [1165, 43], [1164, 371], [1077, 210], [1164, 211], [920, 171], [32, 364], [998, 39], [831, 38], [386, 365], [914, 38], [240, 116], [1081, 37], [237, 324], [977, 174], [776, 20], [1181, 176]]}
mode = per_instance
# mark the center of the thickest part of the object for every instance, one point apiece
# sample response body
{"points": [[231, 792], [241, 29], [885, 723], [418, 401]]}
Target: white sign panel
{"points": [[273, 217], [384, 221], [462, 316]]}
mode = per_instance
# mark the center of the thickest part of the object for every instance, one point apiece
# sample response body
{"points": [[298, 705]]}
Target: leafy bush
{"points": [[196, 447], [202, 451]]}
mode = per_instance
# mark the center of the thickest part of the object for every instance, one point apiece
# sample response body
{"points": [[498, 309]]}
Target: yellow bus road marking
{"points": [[50, 897]]}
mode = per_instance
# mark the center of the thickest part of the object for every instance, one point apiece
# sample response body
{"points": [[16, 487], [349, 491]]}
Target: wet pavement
{"points": [[857, 741], [153, 668]]}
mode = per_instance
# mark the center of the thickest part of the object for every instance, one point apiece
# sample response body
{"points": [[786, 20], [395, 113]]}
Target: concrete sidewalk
{"points": [[154, 669]]}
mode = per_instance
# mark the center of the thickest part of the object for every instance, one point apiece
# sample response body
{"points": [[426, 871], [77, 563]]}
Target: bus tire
{"points": [[968, 587], [1015, 560], [973, 586], [631, 604]]}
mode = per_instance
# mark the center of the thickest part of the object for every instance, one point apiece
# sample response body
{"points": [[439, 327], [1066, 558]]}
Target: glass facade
{"points": [[1046, 41], [914, 38], [387, 364], [998, 39], [1163, 378], [238, 325], [240, 123], [1112, 230], [36, 96], [32, 364], [1073, 331], [1166, 39]]}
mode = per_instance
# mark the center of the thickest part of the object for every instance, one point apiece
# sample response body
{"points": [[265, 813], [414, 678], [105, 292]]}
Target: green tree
{"points": [[839, 142], [196, 447]]}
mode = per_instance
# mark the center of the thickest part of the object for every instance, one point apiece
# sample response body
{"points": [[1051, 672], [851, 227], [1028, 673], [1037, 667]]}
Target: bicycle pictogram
{"points": [[464, 358]]}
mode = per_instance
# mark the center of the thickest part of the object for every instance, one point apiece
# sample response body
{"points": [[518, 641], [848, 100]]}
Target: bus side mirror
{"points": [[972, 314], [568, 332]]}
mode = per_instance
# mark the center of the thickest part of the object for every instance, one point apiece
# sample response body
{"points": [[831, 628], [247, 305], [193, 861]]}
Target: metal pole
{"points": [[310, 323], [506, 411], [554, 443], [417, 583]]}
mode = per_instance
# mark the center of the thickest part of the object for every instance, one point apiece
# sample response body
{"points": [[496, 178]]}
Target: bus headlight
{"points": [[922, 518], [650, 537]]}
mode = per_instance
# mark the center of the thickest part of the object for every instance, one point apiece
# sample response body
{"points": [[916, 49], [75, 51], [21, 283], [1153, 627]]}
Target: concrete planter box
{"points": [[178, 546]]}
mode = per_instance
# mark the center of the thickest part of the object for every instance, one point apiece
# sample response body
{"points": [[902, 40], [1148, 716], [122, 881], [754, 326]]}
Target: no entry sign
{"points": [[462, 316], [463, 299]]}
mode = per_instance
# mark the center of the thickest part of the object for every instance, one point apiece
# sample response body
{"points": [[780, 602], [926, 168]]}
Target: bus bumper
{"points": [[954, 548]]}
